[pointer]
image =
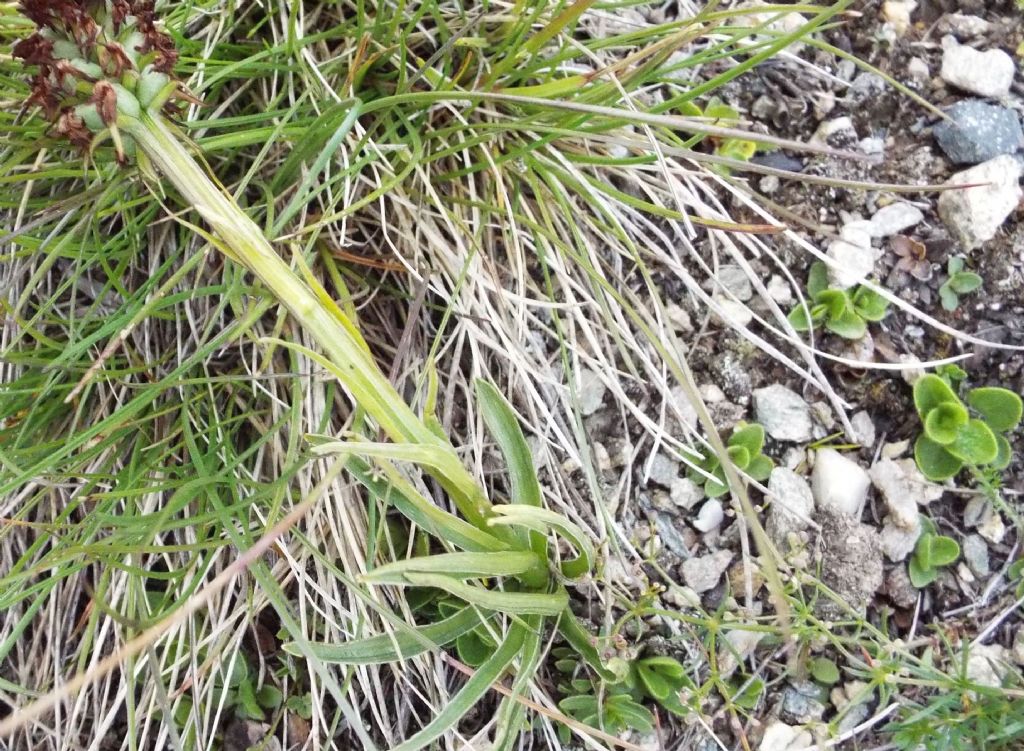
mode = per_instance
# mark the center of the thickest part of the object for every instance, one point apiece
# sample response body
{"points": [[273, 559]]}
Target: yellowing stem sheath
{"points": [[354, 367]]}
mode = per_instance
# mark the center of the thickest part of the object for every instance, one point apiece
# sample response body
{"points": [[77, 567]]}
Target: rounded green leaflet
{"points": [[975, 443], [943, 423], [750, 437], [929, 392], [825, 671], [740, 456], [920, 577], [847, 324], [941, 550], [1003, 454], [1000, 408], [934, 461]]}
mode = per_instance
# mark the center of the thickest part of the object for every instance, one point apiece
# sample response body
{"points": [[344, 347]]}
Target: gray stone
{"points": [[783, 413], [703, 573], [974, 215], [685, 493], [801, 703], [963, 26], [591, 392], [710, 516], [975, 551], [670, 536], [987, 74], [1018, 646], [792, 506], [987, 665], [978, 131], [664, 470], [898, 542], [851, 562], [839, 483], [895, 218], [735, 280]]}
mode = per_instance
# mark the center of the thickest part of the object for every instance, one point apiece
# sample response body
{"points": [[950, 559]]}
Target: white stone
{"points": [[992, 528], [839, 483], [962, 25], [679, 318], [779, 24], [782, 737], [852, 263], [911, 372], [779, 290], [829, 128], [1018, 646], [742, 643], [731, 312], [974, 215], [783, 413], [863, 428], [898, 542], [895, 218], [710, 516], [591, 391], [685, 493], [792, 505], [987, 74], [896, 449], [703, 573], [735, 280], [918, 70], [897, 13], [903, 488], [987, 665], [711, 393]]}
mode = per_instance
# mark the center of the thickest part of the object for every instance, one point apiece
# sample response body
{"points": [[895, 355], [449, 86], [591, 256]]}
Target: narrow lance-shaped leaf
{"points": [[518, 603], [455, 565], [405, 643]]}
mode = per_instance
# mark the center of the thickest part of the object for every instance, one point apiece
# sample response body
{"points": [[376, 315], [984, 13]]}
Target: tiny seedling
{"points": [[953, 438], [744, 447], [932, 552], [619, 706], [843, 313], [720, 113], [959, 283]]}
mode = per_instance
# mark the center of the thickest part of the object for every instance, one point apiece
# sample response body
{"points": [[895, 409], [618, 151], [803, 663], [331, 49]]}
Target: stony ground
{"points": [[851, 503]]}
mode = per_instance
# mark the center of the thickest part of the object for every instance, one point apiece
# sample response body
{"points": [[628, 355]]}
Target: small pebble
{"points": [[839, 483], [975, 551], [978, 131], [895, 218], [783, 413], [703, 573], [710, 516], [974, 215], [987, 74]]}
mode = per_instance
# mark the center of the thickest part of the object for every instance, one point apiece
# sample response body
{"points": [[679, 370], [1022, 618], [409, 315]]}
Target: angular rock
{"points": [[703, 573], [792, 506], [895, 218], [975, 551], [903, 488], [898, 542], [839, 483], [853, 255], [801, 703], [897, 13], [987, 74], [987, 665], [730, 312], [710, 516], [978, 131], [963, 26], [685, 493], [851, 561], [663, 471], [863, 428], [974, 215], [591, 391], [783, 413], [735, 280], [782, 737]]}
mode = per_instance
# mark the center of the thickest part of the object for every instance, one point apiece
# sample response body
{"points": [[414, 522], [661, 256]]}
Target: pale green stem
{"points": [[353, 365]]}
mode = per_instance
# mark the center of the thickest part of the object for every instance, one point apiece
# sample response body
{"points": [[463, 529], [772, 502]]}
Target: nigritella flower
{"points": [[95, 62]]}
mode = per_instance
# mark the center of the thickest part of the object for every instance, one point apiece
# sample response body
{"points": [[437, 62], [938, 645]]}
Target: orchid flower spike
{"points": [[97, 62]]}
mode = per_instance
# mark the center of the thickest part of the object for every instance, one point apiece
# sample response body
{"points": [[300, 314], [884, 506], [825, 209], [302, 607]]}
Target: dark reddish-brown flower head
{"points": [[96, 61]]}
